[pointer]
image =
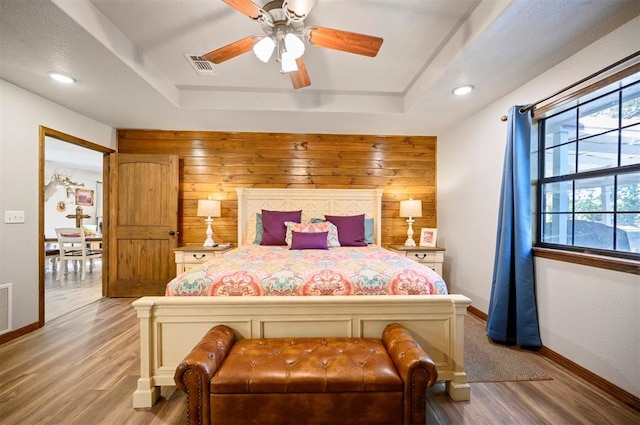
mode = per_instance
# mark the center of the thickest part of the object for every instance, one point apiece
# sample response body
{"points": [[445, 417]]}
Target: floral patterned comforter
{"points": [[275, 270]]}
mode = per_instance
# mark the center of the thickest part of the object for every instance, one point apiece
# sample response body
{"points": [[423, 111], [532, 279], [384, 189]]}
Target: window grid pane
{"points": [[561, 128], [629, 235], [630, 149], [591, 231], [595, 195], [557, 229], [558, 197], [560, 160], [631, 105], [599, 116], [598, 152], [628, 192]]}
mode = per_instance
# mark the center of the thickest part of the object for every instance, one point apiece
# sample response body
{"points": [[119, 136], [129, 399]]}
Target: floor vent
{"points": [[5, 308], [201, 66]]}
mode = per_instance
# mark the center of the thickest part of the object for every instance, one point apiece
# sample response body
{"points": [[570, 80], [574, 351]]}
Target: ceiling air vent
{"points": [[201, 66]]}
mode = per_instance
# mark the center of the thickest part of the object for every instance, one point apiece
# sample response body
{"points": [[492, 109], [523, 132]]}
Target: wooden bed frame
{"points": [[171, 326]]}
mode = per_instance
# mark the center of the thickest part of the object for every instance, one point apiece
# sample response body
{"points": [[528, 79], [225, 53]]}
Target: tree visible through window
{"points": [[589, 158]]}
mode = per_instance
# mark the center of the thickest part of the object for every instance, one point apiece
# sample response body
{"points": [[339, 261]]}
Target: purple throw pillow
{"points": [[273, 224], [350, 229], [304, 240]]}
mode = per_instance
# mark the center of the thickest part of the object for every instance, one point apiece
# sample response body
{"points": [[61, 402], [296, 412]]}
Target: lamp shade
{"points": [[411, 208], [264, 49], [208, 208], [288, 62], [294, 45]]}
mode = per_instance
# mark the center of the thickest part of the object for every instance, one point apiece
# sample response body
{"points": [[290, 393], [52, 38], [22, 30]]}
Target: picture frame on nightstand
{"points": [[428, 237]]}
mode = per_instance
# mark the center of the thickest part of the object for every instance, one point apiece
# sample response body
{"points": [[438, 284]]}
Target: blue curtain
{"points": [[513, 317]]}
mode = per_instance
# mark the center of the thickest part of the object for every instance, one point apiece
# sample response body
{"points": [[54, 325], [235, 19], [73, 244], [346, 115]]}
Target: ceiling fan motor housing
{"points": [[280, 21]]}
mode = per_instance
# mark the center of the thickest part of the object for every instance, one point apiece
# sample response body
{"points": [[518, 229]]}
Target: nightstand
{"points": [[430, 257], [191, 256]]}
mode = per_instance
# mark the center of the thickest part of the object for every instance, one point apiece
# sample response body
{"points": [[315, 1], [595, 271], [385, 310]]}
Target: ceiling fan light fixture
{"points": [[462, 90], [288, 62], [264, 49], [294, 45]]}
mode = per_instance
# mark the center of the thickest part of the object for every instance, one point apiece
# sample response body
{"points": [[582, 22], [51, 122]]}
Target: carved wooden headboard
{"points": [[313, 203]]}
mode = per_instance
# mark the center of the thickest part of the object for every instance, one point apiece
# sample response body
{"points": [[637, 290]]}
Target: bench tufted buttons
{"points": [[299, 365]]}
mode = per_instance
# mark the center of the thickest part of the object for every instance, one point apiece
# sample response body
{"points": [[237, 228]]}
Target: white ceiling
{"points": [[128, 58], [71, 155]]}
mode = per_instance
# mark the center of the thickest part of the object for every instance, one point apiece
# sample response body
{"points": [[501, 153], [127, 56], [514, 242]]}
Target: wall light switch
{"points": [[14, 217]]}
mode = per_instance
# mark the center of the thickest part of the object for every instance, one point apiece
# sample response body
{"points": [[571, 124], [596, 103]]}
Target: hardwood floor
{"points": [[81, 368], [70, 293]]}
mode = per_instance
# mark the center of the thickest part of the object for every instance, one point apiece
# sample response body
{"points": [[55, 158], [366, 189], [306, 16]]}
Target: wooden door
{"points": [[143, 211]]}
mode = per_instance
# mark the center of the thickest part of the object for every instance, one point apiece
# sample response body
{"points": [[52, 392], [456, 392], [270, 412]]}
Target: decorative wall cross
{"points": [[78, 216]]}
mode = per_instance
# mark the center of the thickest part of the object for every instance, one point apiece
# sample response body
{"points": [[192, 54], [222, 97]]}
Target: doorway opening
{"points": [[72, 181]]}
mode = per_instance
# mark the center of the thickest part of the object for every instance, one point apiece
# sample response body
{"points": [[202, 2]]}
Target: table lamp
{"points": [[208, 208], [410, 208]]}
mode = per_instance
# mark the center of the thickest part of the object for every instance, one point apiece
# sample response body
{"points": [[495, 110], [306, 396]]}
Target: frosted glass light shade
{"points": [[294, 46], [264, 49], [288, 62], [301, 7], [411, 208], [208, 208]]}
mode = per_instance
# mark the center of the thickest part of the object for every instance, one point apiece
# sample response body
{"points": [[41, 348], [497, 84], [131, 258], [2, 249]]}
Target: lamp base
{"points": [[410, 241], [209, 241]]}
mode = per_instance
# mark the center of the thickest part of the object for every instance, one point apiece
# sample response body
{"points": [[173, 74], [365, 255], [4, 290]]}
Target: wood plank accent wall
{"points": [[215, 163]]}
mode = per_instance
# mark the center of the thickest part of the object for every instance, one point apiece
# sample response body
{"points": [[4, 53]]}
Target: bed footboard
{"points": [[171, 326]]}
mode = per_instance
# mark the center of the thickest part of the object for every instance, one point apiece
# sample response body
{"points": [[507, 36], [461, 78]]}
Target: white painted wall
{"points": [[21, 115], [590, 316], [54, 218]]}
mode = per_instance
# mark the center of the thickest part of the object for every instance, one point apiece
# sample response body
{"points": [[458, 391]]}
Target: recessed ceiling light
{"points": [[61, 78], [462, 90]]}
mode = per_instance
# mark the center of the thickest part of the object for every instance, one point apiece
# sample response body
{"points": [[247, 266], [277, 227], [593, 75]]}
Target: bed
{"points": [[171, 325]]}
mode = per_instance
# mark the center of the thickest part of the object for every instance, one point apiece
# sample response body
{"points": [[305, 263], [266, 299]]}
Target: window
{"points": [[589, 168]]}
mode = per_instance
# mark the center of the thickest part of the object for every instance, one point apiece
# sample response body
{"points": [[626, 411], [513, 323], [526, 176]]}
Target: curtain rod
{"points": [[531, 106]]}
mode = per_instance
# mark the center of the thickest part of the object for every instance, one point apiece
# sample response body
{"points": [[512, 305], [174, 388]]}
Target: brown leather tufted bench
{"points": [[306, 380]]}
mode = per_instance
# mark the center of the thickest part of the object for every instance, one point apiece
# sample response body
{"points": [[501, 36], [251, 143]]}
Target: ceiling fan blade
{"points": [[245, 7], [300, 8], [232, 50], [300, 78], [345, 41]]}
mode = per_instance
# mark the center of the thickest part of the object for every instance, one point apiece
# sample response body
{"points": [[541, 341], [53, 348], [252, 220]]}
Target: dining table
{"points": [[93, 242]]}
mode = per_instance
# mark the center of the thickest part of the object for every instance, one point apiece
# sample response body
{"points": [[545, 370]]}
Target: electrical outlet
{"points": [[14, 217]]}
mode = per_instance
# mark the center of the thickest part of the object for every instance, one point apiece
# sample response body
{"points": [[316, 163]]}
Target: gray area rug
{"points": [[485, 361]]}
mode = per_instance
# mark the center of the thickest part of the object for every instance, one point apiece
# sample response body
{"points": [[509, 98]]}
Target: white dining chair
{"points": [[73, 247], [51, 254]]}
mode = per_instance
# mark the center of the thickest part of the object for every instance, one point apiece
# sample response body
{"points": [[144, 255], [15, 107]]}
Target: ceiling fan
{"points": [[285, 35]]}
